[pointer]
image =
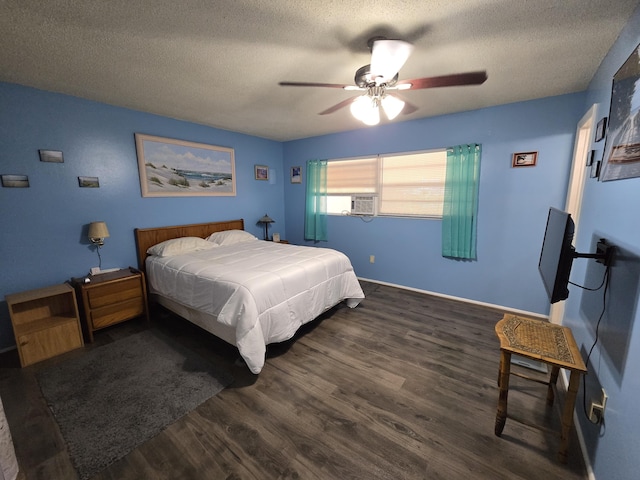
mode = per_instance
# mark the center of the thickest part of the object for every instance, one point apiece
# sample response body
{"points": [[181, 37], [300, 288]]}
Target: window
{"points": [[404, 184]]}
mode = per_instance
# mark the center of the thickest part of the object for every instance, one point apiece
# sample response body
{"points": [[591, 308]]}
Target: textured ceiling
{"points": [[218, 63]]}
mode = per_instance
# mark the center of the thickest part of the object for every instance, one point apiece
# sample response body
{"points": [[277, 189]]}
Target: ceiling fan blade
{"points": [[388, 57], [308, 84], [338, 106], [457, 79]]}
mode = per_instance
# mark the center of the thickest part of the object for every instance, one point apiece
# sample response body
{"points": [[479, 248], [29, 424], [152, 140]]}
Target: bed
{"points": [[245, 291]]}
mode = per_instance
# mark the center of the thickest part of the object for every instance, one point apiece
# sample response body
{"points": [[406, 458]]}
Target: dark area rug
{"points": [[119, 395]]}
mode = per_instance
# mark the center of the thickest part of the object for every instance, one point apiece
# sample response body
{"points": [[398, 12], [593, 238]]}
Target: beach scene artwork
{"points": [[171, 167], [622, 150]]}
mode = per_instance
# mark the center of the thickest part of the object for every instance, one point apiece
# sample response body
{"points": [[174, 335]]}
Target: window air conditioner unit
{"points": [[363, 205]]}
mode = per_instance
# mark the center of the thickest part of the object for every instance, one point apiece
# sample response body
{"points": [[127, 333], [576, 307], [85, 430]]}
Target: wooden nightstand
{"points": [[45, 322], [111, 298]]}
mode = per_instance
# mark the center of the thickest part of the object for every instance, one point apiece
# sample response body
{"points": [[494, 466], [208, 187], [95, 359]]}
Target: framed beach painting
{"points": [[177, 168], [621, 157]]}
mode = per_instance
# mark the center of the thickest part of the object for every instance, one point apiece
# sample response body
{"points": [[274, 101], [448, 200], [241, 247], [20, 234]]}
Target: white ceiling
{"points": [[218, 63]]}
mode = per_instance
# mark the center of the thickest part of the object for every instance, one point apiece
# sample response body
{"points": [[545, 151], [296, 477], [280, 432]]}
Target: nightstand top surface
{"points": [[38, 293], [110, 276]]}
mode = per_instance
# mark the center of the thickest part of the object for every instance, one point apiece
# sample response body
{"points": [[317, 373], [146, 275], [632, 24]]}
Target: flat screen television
{"points": [[556, 257]]}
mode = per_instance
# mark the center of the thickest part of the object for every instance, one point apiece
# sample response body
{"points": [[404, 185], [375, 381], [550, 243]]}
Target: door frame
{"points": [[575, 187]]}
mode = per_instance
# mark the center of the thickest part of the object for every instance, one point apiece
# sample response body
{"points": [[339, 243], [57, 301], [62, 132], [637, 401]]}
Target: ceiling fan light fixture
{"points": [[388, 57], [365, 108], [373, 117], [392, 106]]}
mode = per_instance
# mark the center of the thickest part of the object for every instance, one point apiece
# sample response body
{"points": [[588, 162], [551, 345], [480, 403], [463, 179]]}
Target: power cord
{"points": [[605, 283]]}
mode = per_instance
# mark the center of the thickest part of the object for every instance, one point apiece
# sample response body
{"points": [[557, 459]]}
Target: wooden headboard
{"points": [[148, 237]]}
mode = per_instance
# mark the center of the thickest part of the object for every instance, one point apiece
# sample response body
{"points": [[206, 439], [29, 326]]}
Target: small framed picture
{"points": [[600, 129], [51, 156], [89, 182], [591, 157], [261, 172], [524, 159], [595, 169], [296, 174], [15, 181], [276, 237]]}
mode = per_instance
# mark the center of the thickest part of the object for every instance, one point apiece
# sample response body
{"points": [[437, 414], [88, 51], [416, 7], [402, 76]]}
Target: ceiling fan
{"points": [[380, 81]]}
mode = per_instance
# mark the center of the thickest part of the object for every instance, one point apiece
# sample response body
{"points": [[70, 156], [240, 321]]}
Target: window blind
{"points": [[352, 176], [413, 184]]}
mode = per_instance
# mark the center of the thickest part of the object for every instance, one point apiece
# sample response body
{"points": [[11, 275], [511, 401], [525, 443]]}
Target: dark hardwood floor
{"points": [[401, 387]]}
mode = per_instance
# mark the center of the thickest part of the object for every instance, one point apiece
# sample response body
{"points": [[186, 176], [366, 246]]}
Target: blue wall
{"points": [[610, 211], [513, 203], [42, 239]]}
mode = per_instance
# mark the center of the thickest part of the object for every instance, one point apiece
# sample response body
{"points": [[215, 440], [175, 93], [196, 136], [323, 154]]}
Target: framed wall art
{"points": [[296, 174], [178, 168], [524, 159], [88, 182], [261, 172], [622, 147], [601, 128], [15, 181], [53, 156]]}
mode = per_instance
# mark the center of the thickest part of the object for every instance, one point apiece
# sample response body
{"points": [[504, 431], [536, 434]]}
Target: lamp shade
{"points": [[365, 109], [98, 232], [387, 57], [392, 106]]}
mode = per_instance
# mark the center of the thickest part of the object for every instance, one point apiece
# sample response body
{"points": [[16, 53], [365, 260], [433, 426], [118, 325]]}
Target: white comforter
{"points": [[264, 290]]}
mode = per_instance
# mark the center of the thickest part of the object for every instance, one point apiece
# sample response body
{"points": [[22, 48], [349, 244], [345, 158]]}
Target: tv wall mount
{"points": [[604, 253]]}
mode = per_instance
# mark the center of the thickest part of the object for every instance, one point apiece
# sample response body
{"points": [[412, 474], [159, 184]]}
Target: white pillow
{"points": [[230, 237], [178, 246]]}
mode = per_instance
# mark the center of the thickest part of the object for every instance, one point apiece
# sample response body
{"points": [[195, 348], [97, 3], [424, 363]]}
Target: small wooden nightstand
{"points": [[111, 298], [283, 241], [45, 322]]}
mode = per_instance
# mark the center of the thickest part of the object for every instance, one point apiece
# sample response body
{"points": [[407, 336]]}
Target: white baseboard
{"points": [[460, 299], [564, 380]]}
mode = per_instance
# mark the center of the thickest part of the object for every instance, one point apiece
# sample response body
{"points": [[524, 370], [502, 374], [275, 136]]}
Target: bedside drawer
{"points": [[112, 298], [115, 313], [109, 294]]}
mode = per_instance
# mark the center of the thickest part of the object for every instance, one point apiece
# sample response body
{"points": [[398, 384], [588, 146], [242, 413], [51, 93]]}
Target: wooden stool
{"points": [[548, 343]]}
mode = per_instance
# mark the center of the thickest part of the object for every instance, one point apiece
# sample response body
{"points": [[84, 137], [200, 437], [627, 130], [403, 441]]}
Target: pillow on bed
{"points": [[230, 237], [178, 246]]}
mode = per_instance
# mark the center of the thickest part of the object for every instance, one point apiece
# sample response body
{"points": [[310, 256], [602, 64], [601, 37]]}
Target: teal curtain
{"points": [[315, 218], [460, 212]]}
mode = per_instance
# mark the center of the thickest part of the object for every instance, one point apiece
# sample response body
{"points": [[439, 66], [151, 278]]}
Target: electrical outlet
{"points": [[596, 412], [372, 259]]}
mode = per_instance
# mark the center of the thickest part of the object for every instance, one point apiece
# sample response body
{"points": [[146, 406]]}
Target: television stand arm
{"points": [[604, 253]]}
